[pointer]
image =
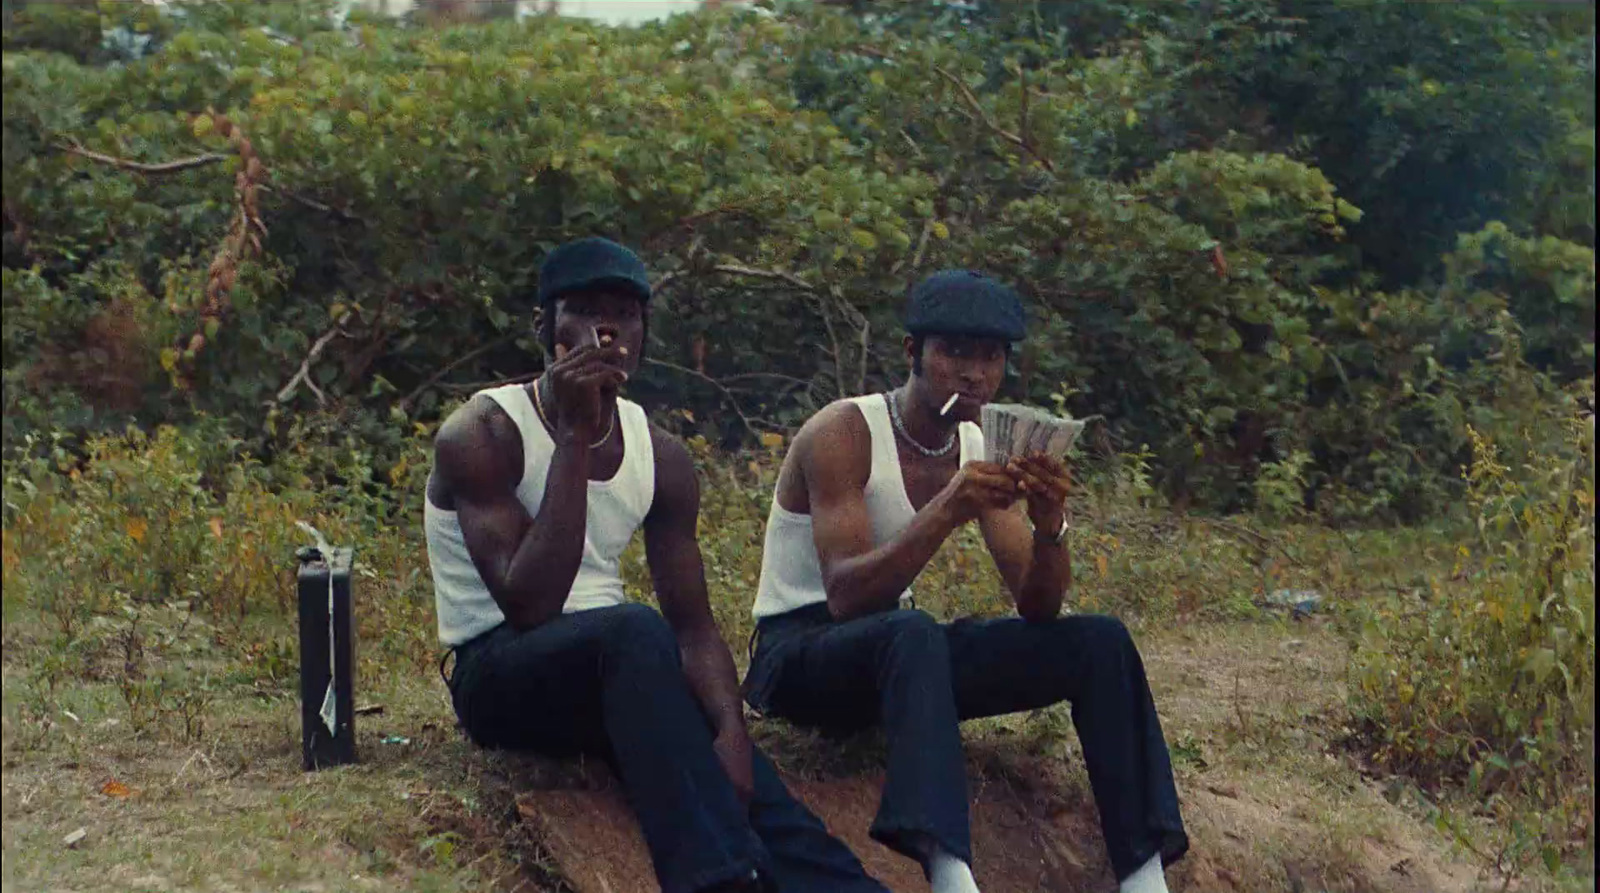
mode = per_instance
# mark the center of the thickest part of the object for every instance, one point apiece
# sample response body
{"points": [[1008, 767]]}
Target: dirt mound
{"points": [[1270, 805], [1019, 845]]}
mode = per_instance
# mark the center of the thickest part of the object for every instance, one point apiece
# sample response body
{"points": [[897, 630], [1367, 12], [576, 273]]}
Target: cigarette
{"points": [[596, 333], [947, 404]]}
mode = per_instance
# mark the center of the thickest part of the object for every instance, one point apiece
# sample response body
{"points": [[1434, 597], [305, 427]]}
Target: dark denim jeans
{"points": [[920, 679], [609, 682]]}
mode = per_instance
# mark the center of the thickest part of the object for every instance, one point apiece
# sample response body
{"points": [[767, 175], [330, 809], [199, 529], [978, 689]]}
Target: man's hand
{"points": [[978, 487], [580, 380], [1044, 480], [733, 749]]}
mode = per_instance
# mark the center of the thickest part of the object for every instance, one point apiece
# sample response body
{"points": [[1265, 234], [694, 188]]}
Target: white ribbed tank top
{"points": [[791, 573], [616, 509]]}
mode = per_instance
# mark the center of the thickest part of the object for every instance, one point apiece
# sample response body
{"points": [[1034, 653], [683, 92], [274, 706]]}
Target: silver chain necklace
{"points": [[900, 428]]}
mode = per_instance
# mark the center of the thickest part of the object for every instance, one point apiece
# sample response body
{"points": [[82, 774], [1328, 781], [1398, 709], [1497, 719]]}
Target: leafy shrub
{"points": [[354, 232], [1487, 677]]}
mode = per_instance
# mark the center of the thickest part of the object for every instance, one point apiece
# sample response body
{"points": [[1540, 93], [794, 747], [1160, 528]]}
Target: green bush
{"points": [[1487, 676], [369, 200]]}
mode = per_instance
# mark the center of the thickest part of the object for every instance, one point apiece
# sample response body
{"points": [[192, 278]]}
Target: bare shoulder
{"points": [[837, 436], [677, 485], [671, 456], [477, 447], [833, 449]]}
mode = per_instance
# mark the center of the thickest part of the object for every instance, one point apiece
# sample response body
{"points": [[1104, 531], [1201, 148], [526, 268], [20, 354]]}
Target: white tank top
{"points": [[616, 509], [791, 573]]}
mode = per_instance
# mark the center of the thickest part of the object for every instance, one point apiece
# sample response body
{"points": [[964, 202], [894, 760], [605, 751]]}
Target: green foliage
{"points": [[1550, 286], [1173, 187], [1487, 676]]}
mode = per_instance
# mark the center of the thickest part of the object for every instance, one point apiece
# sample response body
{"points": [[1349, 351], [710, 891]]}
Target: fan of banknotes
{"points": [[1011, 431]]}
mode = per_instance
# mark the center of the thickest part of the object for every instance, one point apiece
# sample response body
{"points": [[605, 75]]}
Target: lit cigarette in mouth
{"points": [[947, 404]]}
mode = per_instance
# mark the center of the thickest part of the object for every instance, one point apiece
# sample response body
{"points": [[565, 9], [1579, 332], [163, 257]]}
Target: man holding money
{"points": [[535, 492], [869, 490]]}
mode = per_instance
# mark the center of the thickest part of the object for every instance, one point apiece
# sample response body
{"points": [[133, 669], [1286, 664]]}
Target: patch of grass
{"points": [[150, 639], [1480, 684], [232, 808]]}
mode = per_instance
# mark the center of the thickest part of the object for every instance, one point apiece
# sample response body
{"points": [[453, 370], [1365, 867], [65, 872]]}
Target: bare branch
{"points": [[758, 273], [524, 378], [1022, 122], [922, 243], [989, 122], [779, 376], [313, 204], [866, 340], [668, 279], [739, 270], [469, 356], [304, 374], [726, 394], [166, 167]]}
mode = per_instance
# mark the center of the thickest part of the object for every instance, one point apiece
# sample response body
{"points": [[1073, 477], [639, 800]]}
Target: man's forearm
{"points": [[872, 582], [709, 669], [545, 564], [1046, 584]]}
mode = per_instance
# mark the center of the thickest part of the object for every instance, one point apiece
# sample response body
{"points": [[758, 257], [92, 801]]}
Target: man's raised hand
{"points": [[581, 380]]}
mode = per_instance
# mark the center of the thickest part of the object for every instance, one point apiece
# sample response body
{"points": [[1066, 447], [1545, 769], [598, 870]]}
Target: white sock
{"points": [[948, 874], [1148, 879]]}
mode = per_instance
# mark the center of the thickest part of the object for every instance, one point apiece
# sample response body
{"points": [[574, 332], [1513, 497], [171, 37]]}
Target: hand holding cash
{"points": [[1012, 431], [1032, 445]]}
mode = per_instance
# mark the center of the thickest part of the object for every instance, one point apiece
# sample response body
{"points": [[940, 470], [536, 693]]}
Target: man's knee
{"points": [[915, 635], [1100, 633], [635, 632]]}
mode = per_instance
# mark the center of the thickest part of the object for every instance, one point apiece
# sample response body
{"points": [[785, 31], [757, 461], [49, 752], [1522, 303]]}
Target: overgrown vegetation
{"points": [[1486, 676], [262, 211], [1318, 274]]}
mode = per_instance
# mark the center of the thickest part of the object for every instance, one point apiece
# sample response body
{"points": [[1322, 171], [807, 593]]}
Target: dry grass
{"points": [[1253, 704], [1251, 709], [233, 811]]}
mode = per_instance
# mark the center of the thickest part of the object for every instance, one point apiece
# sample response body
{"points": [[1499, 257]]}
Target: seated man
{"points": [[535, 492], [869, 490]]}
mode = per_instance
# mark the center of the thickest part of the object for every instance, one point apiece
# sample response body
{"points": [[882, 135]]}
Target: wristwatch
{"points": [[1054, 539]]}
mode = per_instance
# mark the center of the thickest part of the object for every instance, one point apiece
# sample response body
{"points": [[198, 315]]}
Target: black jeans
{"points": [[609, 682], [920, 679]]}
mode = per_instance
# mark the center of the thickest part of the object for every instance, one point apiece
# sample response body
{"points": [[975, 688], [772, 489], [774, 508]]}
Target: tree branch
{"points": [[866, 340], [922, 244], [469, 356], [304, 374], [989, 122], [524, 378], [313, 204], [167, 167], [758, 273], [726, 394], [1022, 119]]}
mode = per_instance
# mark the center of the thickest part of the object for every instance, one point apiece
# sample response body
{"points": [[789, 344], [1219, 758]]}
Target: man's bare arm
{"points": [[1037, 571], [676, 569], [673, 552], [1038, 574], [527, 562], [835, 459]]}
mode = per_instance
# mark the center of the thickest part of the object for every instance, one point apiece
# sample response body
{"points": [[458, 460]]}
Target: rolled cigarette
{"points": [[947, 404], [596, 333]]}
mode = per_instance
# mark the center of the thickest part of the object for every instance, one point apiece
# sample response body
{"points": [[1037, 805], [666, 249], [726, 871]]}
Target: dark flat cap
{"points": [[964, 302], [591, 263]]}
